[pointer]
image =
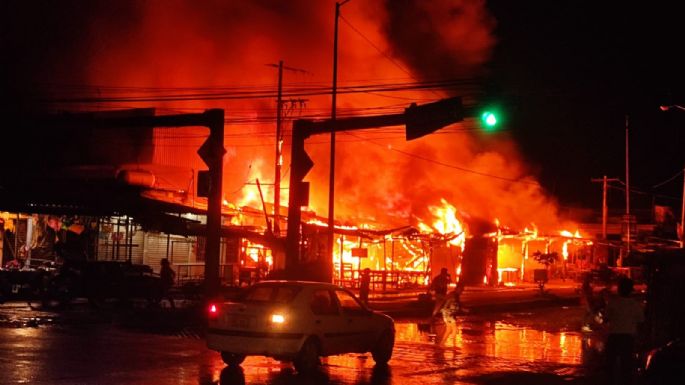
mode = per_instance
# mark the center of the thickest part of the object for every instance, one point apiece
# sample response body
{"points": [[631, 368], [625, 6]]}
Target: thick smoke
{"points": [[163, 45], [441, 38]]}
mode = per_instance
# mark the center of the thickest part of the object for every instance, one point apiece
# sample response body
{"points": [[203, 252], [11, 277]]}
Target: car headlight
{"points": [[277, 318]]}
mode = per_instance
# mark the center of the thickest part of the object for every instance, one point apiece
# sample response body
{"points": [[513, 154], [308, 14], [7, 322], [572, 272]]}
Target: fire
{"points": [[531, 234], [568, 234], [446, 223], [389, 182], [257, 253]]}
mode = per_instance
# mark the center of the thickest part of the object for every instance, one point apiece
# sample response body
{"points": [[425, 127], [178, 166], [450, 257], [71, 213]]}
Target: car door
{"points": [[358, 329], [327, 321]]}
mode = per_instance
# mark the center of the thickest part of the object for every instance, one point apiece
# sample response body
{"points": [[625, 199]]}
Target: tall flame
{"points": [[446, 223]]}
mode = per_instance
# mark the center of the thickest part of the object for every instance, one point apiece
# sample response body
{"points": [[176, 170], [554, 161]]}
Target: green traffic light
{"points": [[489, 119]]}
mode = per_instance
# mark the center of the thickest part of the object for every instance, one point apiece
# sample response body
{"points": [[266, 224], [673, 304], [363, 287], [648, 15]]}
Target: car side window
{"points": [[322, 303], [348, 303]]}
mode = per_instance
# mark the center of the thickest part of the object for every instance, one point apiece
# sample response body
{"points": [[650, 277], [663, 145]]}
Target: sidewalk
{"points": [[482, 299]]}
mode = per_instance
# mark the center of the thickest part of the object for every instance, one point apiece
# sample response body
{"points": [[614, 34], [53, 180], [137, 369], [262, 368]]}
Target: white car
{"points": [[299, 322]]}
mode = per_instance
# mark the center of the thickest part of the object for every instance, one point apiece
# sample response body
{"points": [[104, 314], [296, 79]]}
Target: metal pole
{"points": [[331, 178], [215, 122], [279, 157], [620, 259]]}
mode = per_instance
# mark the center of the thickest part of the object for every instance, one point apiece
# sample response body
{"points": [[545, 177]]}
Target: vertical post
{"points": [[279, 157], [168, 244], [620, 258], [215, 119], [331, 178], [392, 261], [16, 238], [682, 216], [115, 249], [604, 208], [129, 239]]}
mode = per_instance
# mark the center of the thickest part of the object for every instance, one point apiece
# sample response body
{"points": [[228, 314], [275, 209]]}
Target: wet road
{"points": [[544, 346]]}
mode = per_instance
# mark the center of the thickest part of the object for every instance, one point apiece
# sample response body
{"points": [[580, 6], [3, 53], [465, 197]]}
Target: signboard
{"points": [[360, 252]]}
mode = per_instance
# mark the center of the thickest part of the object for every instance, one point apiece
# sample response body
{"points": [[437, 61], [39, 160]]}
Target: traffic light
{"points": [[491, 118], [425, 119]]}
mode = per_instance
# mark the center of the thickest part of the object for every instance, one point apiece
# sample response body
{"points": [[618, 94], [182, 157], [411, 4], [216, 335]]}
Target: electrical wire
{"points": [[668, 180], [411, 155]]}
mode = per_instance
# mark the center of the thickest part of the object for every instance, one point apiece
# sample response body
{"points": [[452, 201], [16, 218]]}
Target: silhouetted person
{"points": [[439, 286], [449, 310], [591, 306], [167, 277], [364, 285], [624, 315]]}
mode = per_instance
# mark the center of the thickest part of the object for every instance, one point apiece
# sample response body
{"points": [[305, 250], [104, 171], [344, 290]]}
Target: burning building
{"points": [[401, 207]]}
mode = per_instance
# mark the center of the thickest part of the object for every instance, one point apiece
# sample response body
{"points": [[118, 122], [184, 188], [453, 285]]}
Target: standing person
{"points": [[624, 316], [167, 276], [364, 284], [591, 306], [449, 310], [439, 286]]}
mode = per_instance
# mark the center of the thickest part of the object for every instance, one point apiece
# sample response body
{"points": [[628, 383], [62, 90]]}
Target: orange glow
{"points": [[446, 223], [257, 253], [564, 250], [568, 234], [379, 184]]}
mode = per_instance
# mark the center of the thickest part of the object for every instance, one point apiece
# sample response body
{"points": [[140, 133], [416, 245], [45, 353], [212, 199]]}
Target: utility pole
{"points": [[279, 144], [605, 210], [331, 178]]}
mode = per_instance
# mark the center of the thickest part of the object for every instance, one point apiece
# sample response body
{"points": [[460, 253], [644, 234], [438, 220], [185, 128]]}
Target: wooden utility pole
{"points": [[604, 202], [279, 144]]}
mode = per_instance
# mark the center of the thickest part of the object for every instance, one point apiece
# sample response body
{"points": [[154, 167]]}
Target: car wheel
{"points": [[308, 358], [382, 352], [232, 359]]}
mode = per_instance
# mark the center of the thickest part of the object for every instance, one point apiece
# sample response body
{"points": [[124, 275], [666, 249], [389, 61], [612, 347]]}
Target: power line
{"points": [[388, 57], [668, 180], [409, 154], [237, 93]]}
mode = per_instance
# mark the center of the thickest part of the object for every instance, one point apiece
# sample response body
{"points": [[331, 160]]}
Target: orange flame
{"points": [[446, 223]]}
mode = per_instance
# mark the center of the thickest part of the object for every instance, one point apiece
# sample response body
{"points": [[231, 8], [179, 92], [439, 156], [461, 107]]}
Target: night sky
{"points": [[567, 73], [571, 71]]}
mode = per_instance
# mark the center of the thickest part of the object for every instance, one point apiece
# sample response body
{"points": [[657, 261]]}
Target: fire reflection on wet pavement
{"points": [[542, 347], [482, 351]]}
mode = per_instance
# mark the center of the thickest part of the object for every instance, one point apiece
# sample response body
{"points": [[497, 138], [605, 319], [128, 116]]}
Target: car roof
{"points": [[326, 285]]}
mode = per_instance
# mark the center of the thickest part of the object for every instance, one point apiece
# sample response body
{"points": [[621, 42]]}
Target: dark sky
{"points": [[571, 70]]}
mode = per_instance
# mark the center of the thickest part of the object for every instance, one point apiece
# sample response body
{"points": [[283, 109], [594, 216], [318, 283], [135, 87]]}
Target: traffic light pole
{"points": [[212, 153], [419, 120]]}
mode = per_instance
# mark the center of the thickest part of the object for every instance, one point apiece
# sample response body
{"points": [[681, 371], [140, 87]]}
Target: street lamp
{"points": [[682, 209]]}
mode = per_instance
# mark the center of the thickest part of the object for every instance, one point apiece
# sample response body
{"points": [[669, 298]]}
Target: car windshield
{"points": [[278, 293]]}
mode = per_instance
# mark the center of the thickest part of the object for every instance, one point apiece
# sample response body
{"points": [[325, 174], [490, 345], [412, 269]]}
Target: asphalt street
{"points": [[541, 346]]}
